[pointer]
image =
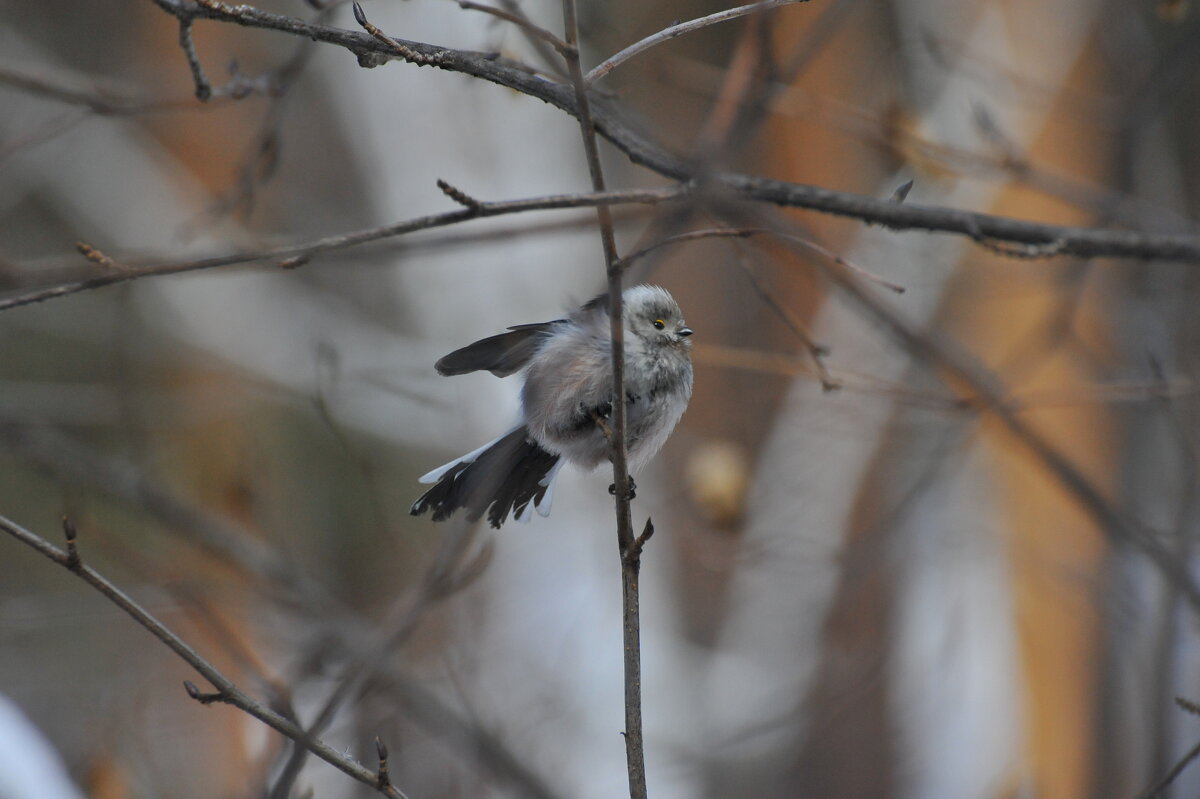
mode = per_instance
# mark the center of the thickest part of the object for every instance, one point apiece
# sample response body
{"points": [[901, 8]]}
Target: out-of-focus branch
{"points": [[226, 691], [610, 121], [209, 532], [445, 575], [468, 735], [988, 393], [1165, 781], [365, 643], [679, 29], [114, 104], [746, 232]]}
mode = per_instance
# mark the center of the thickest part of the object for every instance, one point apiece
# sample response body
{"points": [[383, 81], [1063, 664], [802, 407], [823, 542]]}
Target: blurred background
{"points": [[862, 585]]}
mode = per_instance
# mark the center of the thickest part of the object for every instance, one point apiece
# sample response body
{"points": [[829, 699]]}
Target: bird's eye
{"points": [[659, 324]]}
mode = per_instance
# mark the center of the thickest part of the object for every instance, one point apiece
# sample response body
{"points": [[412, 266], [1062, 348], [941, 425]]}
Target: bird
{"points": [[567, 394]]}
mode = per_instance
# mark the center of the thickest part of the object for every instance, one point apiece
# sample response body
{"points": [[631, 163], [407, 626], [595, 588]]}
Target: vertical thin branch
{"points": [[630, 551]]}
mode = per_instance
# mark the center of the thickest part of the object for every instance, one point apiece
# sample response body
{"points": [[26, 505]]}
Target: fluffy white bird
{"points": [[568, 383]]}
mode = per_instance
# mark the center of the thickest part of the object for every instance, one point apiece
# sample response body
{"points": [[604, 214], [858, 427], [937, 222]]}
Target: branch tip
{"points": [[383, 779], [296, 261], [633, 554], [200, 696], [95, 255], [409, 54], [647, 531], [459, 196], [73, 562], [203, 87]]}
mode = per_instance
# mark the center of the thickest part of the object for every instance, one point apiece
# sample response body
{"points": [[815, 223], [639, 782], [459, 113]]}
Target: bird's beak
{"points": [[684, 331]]}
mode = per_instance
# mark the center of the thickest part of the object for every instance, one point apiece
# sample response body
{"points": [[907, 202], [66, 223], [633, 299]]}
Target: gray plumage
{"points": [[568, 381]]}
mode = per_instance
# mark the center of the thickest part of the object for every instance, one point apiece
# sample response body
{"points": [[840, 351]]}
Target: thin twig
{"points": [[1165, 781], [815, 350], [441, 578], [679, 29], [210, 533], [262, 154], [73, 562], [743, 358], [521, 21], [551, 57], [97, 256], [745, 232], [203, 87], [625, 261], [102, 102], [809, 244], [398, 47], [226, 691], [630, 554], [796, 102], [306, 251], [488, 748], [385, 778]]}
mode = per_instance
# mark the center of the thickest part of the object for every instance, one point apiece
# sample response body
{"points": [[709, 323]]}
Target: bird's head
{"points": [[653, 315]]}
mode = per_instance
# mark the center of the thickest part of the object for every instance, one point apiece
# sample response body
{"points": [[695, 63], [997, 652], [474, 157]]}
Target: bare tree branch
{"points": [[610, 122], [207, 531], [293, 255]]}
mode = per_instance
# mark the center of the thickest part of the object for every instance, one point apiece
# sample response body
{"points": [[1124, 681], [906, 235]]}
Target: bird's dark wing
{"points": [[599, 302], [502, 355]]}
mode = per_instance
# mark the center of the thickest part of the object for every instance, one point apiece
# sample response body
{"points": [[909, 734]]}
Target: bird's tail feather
{"points": [[511, 474]]}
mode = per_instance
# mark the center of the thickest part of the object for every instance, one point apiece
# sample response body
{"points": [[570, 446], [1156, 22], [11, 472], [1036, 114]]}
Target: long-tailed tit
{"points": [[568, 387]]}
